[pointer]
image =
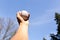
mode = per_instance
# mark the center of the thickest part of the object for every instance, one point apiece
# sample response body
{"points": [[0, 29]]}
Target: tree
{"points": [[57, 36], [44, 39], [7, 28]]}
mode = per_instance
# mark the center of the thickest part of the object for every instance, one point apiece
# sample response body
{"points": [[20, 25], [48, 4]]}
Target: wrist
{"points": [[23, 26], [25, 23]]}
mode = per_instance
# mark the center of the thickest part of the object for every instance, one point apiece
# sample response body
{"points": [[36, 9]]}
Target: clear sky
{"points": [[42, 15]]}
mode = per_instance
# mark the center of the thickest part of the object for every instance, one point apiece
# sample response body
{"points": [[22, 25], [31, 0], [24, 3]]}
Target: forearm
{"points": [[22, 33]]}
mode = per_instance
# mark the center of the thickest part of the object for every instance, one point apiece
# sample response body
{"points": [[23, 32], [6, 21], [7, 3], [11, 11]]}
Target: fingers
{"points": [[19, 16], [22, 17]]}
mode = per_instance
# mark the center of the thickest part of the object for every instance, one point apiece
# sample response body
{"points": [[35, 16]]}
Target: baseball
{"points": [[25, 15]]}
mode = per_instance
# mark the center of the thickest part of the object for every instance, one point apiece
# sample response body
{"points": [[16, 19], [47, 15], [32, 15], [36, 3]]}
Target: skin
{"points": [[22, 32]]}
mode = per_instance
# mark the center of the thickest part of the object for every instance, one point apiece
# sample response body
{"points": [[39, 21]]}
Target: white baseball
{"points": [[25, 13]]}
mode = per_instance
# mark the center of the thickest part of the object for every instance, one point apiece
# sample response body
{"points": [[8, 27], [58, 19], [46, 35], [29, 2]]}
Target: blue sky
{"points": [[42, 15]]}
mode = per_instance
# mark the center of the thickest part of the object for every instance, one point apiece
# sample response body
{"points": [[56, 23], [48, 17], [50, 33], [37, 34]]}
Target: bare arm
{"points": [[22, 32]]}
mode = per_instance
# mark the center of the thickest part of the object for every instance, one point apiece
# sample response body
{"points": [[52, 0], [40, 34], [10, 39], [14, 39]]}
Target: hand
{"points": [[20, 19]]}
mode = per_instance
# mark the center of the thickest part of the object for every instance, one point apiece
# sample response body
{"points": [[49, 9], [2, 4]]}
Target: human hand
{"points": [[23, 17]]}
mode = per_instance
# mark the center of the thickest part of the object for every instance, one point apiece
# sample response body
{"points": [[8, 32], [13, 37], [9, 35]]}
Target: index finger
{"points": [[19, 16]]}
